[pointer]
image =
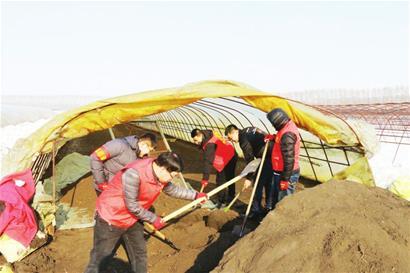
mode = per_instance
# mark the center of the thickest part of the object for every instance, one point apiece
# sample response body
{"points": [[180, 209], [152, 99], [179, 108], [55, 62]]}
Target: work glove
{"points": [[269, 138], [102, 186], [247, 184], [204, 183], [283, 185], [158, 223], [200, 195]]}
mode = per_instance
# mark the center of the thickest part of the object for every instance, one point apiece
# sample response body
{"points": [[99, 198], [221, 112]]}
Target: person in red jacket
{"points": [[124, 205], [285, 154], [220, 156]]}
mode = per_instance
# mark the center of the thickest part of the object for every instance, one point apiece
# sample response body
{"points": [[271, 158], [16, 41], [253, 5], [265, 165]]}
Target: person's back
{"points": [[255, 138], [114, 155]]}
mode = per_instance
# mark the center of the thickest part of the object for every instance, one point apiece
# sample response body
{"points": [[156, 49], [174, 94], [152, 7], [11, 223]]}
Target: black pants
{"points": [[264, 184], [106, 238], [225, 196]]}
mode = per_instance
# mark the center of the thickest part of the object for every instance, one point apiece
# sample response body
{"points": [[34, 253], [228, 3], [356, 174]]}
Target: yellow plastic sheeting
{"points": [[359, 171], [401, 187], [330, 129], [107, 113], [6, 268]]}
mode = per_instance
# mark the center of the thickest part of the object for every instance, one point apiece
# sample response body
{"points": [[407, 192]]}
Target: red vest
{"points": [[277, 160], [223, 153], [111, 204]]}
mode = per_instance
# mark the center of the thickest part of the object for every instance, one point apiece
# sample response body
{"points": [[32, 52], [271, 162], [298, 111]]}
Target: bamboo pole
{"points": [[53, 179], [111, 133]]}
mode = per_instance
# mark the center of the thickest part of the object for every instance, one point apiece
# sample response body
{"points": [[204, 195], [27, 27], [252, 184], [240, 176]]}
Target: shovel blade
{"points": [[237, 230], [251, 167]]}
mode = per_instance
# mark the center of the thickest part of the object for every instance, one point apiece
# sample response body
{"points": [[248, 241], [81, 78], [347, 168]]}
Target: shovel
{"points": [[159, 235], [250, 168], [233, 200], [236, 229]]}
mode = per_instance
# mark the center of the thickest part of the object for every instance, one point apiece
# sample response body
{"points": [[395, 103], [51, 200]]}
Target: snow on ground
{"points": [[389, 163], [11, 133], [21, 116]]}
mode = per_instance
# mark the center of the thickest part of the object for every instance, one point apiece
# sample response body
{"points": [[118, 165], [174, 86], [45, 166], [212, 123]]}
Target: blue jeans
{"points": [[277, 193]]}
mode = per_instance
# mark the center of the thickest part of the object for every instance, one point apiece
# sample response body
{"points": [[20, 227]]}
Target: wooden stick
{"points": [[150, 229], [53, 179], [111, 133], [248, 209], [233, 200], [250, 168], [202, 188], [200, 200]]}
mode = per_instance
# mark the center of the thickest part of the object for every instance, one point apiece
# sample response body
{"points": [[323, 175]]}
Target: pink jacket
{"points": [[17, 220]]}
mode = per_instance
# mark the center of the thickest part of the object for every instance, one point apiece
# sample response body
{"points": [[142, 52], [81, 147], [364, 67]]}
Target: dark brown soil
{"points": [[335, 227]]}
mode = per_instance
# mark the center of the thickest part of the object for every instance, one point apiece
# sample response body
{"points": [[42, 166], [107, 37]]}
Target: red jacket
{"points": [[277, 153], [223, 153], [111, 203]]}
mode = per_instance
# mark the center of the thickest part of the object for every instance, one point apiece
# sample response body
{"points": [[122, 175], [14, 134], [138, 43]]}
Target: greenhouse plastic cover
{"points": [[107, 113]]}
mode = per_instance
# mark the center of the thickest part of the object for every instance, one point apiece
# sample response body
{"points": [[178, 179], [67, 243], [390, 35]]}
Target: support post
{"points": [[169, 149], [111, 133]]}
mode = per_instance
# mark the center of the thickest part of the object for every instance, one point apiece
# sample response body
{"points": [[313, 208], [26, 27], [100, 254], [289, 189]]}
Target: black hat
{"points": [[278, 118]]}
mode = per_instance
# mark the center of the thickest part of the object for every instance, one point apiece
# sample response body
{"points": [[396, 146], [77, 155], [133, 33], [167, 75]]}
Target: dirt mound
{"points": [[38, 262], [221, 220], [335, 227]]}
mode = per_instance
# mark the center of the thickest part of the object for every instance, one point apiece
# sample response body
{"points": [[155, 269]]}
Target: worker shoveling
{"points": [[250, 168]]}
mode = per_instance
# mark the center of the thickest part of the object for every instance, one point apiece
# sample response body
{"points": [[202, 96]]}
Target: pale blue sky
{"points": [[114, 48]]}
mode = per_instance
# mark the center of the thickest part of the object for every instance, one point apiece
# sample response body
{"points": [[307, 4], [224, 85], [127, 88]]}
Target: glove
{"points": [[247, 184], [102, 186], [283, 185], [200, 195], [204, 183], [158, 223], [269, 138]]}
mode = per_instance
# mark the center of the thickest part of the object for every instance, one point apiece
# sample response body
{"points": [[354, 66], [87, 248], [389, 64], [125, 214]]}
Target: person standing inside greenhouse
{"points": [[220, 155], [285, 154], [252, 142]]}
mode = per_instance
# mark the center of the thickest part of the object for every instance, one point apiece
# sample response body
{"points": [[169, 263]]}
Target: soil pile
{"points": [[335, 227]]}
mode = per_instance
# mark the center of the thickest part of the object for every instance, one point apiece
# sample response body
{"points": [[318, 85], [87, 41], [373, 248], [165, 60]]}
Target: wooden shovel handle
{"points": [[189, 206], [233, 201], [150, 229]]}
